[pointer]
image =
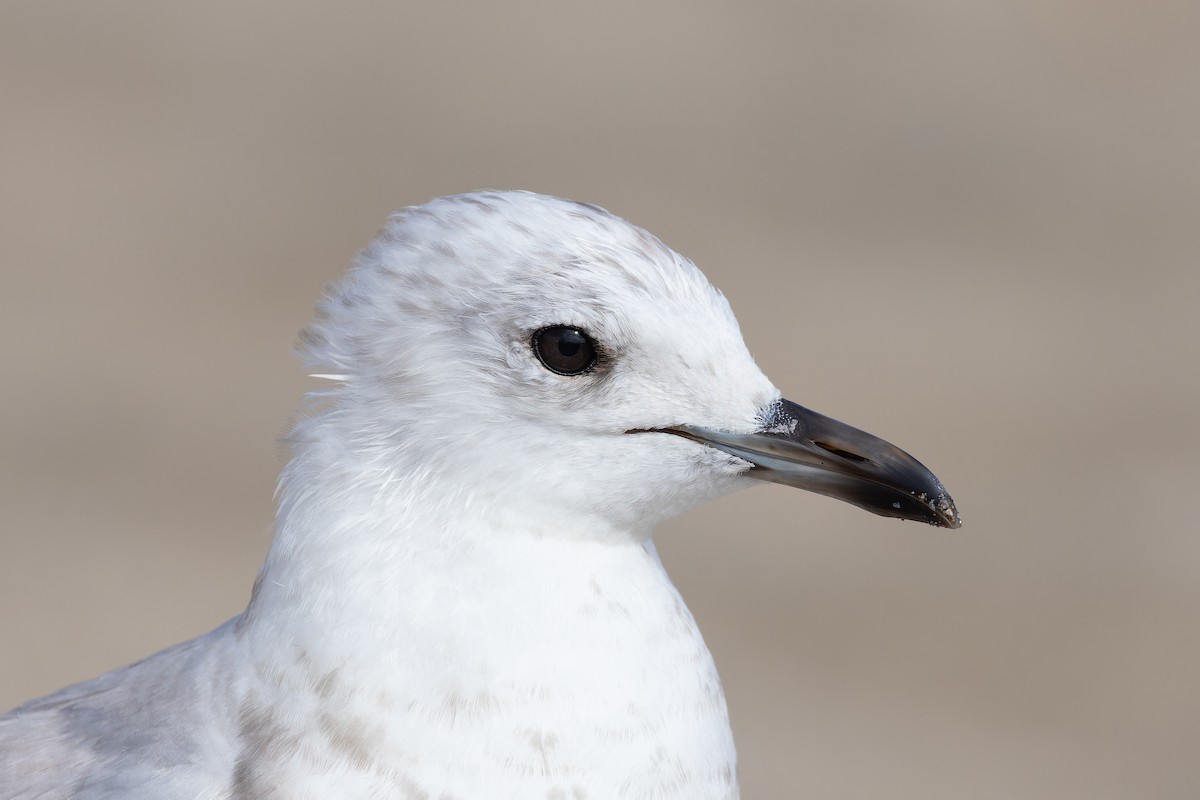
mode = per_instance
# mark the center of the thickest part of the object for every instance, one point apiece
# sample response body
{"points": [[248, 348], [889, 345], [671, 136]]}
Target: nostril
{"points": [[839, 452]]}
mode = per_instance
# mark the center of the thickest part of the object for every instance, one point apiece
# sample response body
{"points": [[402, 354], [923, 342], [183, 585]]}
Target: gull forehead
{"points": [[464, 281], [462, 598], [478, 252]]}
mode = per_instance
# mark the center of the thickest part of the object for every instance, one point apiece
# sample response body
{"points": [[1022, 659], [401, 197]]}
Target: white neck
{"points": [[557, 654]]}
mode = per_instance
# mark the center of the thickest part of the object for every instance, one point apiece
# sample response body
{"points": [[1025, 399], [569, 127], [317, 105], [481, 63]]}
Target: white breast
{"points": [[586, 669]]}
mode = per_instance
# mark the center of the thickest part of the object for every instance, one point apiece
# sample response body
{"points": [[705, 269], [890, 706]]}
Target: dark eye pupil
{"points": [[567, 351], [569, 344]]}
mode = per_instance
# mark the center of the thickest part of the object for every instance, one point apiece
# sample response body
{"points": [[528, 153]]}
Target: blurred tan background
{"points": [[969, 227]]}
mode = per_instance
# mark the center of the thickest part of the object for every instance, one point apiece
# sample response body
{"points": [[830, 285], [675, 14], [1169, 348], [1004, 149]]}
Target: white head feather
{"points": [[430, 334]]}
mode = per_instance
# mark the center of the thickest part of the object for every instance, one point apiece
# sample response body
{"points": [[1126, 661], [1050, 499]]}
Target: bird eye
{"points": [[567, 351]]}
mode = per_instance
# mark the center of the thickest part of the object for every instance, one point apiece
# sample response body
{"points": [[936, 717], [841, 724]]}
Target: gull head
{"points": [[566, 370]]}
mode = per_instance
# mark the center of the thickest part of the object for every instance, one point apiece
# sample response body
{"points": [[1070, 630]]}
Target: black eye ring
{"points": [[564, 350]]}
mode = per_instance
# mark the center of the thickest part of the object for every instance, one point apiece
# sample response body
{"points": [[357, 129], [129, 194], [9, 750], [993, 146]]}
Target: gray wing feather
{"points": [[161, 728]]}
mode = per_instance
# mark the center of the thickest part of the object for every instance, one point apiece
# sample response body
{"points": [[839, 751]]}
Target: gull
{"points": [[463, 599]]}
